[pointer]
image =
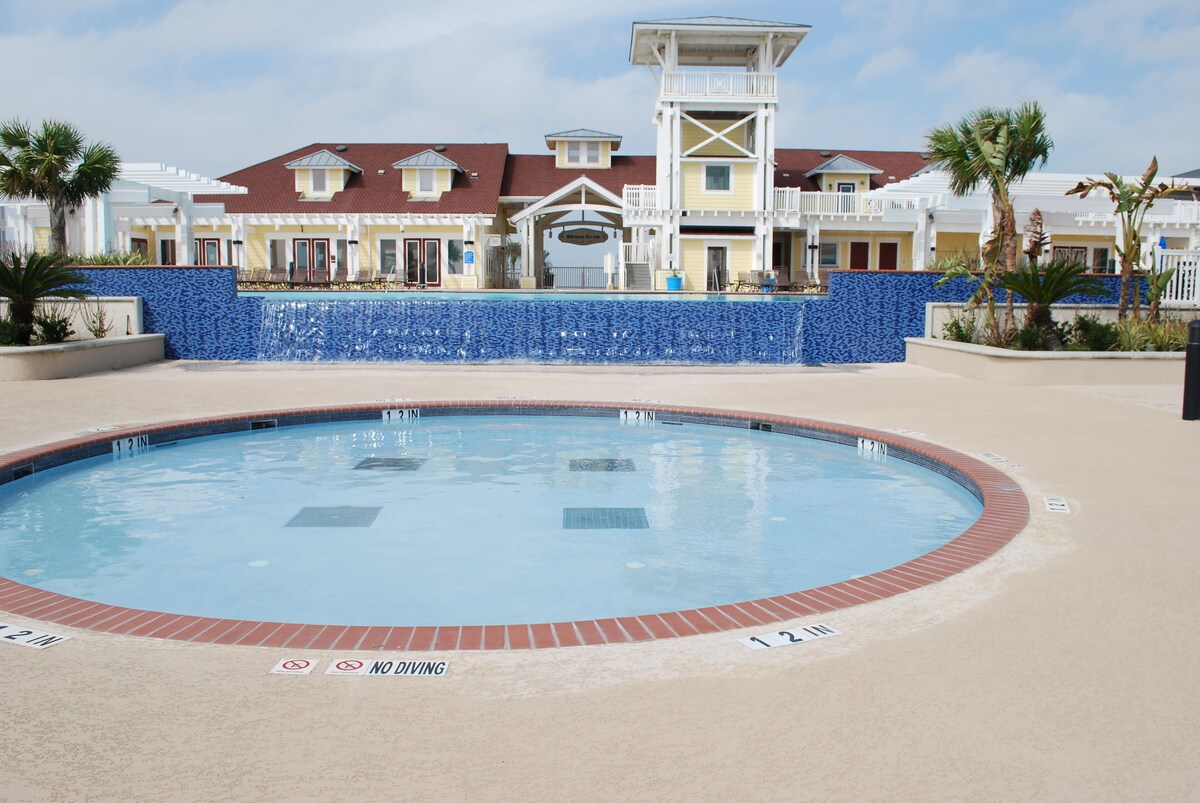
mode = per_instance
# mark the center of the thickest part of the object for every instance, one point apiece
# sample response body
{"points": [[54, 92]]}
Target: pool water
{"points": [[523, 295], [470, 520]]}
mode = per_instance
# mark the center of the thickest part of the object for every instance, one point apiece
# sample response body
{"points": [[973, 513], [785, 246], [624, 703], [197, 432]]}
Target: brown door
{"points": [[888, 254], [860, 256]]}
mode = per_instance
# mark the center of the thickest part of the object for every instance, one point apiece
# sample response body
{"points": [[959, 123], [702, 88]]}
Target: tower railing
{"points": [[719, 85]]}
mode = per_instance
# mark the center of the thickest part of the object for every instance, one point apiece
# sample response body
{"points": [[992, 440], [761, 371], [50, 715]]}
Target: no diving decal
{"points": [[38, 639], [392, 668]]}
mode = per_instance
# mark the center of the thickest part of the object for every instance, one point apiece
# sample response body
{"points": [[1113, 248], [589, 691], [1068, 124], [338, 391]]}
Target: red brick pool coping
{"points": [[1005, 513]]}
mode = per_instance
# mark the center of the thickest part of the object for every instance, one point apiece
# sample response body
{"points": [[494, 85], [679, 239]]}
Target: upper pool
{"points": [[518, 295]]}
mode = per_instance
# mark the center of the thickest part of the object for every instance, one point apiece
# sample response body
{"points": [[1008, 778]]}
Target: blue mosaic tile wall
{"points": [[868, 315], [541, 331], [198, 309], [865, 319]]}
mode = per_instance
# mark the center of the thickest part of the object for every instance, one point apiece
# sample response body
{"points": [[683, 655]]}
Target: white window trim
{"points": [[851, 184], [312, 181], [704, 178]]}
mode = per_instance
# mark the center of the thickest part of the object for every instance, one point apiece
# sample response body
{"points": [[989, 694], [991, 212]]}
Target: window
{"points": [[167, 250], [318, 181], [425, 181], [717, 178], [583, 153], [1100, 260], [277, 255], [829, 255], [454, 256], [139, 245], [387, 257], [845, 186]]}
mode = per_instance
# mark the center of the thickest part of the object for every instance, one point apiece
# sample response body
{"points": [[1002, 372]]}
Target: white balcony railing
{"points": [[757, 85], [1184, 288], [634, 253], [798, 202], [1180, 212], [641, 198]]}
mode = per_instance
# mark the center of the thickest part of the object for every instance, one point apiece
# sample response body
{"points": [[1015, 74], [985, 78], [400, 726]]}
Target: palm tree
{"points": [[1057, 280], [998, 147], [42, 276], [54, 165], [1132, 200]]}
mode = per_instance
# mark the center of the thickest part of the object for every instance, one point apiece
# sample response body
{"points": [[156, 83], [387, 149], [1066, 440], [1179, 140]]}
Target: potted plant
{"points": [[674, 281]]}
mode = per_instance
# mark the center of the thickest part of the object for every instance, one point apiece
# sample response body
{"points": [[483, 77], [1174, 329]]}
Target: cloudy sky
{"points": [[216, 85]]}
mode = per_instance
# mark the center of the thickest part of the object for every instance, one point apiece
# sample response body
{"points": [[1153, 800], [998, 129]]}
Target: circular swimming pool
{"points": [[365, 524]]}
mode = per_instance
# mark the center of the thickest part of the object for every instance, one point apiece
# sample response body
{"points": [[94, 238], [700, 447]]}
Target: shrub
{"points": [[1029, 338], [13, 333], [96, 319], [1168, 334], [1133, 334], [53, 324], [109, 258], [1089, 333], [960, 328]]}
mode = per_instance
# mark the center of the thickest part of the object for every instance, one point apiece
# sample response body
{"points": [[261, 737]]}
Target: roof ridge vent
{"points": [[341, 148], [440, 148], [825, 153]]}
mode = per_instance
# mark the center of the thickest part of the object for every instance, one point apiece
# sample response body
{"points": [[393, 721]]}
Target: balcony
{"points": [[640, 198], [719, 86], [798, 202]]}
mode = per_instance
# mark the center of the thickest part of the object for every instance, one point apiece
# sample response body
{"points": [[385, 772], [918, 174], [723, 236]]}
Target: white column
{"points": [[89, 225], [920, 240], [813, 256]]}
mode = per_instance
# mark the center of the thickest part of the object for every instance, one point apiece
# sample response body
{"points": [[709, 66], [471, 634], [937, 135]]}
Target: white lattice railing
{"points": [[640, 197], [719, 84], [1184, 288]]}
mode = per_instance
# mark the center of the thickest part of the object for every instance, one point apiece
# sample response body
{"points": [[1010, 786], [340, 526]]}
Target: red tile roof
{"points": [[796, 162], [273, 187], [535, 176]]}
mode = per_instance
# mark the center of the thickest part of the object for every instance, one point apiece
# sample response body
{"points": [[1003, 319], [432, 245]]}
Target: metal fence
{"points": [[565, 277]]}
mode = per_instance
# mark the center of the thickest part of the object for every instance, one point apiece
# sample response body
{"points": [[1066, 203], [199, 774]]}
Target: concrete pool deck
{"points": [[1062, 668]]}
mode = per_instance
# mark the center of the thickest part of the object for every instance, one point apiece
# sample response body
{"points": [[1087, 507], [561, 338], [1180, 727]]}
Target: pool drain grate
{"points": [[335, 517], [605, 518], [396, 463], [604, 464]]}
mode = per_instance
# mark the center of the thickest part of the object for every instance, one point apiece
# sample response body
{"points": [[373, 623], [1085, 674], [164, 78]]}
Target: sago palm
{"points": [[54, 165], [41, 276], [996, 147], [1055, 281]]}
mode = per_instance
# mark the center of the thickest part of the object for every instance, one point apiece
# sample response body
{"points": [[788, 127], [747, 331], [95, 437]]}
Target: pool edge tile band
{"points": [[1005, 513]]}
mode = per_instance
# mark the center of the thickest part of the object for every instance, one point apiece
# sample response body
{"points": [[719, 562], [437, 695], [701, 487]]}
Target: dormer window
{"points": [[583, 147], [426, 175], [321, 175], [583, 153]]}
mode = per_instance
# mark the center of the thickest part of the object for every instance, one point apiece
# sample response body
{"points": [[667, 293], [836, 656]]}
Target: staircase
{"points": [[637, 277]]}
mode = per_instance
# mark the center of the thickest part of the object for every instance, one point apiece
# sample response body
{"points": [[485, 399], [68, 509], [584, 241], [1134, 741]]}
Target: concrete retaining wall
{"points": [[79, 357], [1008, 367]]}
